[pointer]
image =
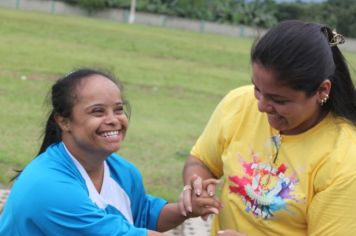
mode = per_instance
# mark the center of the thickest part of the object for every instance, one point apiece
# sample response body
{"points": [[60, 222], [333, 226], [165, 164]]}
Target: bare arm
{"points": [[171, 215], [154, 233], [195, 166]]}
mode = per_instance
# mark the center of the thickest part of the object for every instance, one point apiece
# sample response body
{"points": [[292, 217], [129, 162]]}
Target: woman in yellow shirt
{"points": [[285, 146]]}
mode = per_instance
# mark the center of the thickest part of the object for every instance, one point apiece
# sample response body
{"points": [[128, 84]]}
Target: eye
{"points": [[280, 102], [97, 111], [119, 109], [257, 92]]}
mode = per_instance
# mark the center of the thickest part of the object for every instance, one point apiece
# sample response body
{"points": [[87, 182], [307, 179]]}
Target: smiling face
{"points": [[289, 111], [98, 123]]}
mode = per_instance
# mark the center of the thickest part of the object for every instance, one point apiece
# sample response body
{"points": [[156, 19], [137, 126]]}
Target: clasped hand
{"points": [[198, 199]]}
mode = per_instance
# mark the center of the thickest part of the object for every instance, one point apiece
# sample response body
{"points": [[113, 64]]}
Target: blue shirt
{"points": [[50, 197]]}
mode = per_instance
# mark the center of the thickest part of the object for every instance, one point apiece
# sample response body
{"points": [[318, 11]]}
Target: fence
{"points": [[56, 7]]}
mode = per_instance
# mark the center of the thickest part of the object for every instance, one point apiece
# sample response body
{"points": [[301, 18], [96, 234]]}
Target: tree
{"points": [[132, 11]]}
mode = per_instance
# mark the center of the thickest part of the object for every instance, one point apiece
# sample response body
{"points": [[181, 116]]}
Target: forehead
{"points": [[97, 87], [266, 81]]}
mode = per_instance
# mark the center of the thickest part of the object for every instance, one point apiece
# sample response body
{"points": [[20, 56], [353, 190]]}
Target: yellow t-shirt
{"points": [[310, 189]]}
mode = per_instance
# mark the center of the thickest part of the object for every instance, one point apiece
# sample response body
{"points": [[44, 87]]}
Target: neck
{"points": [[92, 162], [95, 171]]}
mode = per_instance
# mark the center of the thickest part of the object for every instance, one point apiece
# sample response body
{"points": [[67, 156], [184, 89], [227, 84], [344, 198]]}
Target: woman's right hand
{"points": [[199, 188]]}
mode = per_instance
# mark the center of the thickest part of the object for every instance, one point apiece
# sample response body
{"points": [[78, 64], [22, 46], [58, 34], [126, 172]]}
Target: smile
{"points": [[110, 133], [275, 116]]}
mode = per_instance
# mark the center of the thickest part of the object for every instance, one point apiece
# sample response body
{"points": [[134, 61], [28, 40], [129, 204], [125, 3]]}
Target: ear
{"points": [[324, 90], [63, 122]]}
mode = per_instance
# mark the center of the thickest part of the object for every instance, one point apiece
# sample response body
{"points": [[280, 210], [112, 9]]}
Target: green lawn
{"points": [[173, 80]]}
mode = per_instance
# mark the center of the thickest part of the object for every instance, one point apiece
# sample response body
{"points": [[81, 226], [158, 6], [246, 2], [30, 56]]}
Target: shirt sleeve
{"points": [[146, 209], [332, 210], [218, 132]]}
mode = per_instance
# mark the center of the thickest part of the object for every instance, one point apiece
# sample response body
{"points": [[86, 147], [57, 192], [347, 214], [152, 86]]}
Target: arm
{"points": [[171, 215]]}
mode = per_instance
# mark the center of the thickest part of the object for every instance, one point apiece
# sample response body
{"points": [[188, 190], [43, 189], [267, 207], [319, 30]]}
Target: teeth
{"points": [[111, 133]]}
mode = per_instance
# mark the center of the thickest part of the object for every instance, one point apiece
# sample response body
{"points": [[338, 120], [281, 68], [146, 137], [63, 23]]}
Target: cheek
{"points": [[294, 114], [91, 125], [283, 110], [124, 121], [290, 114]]}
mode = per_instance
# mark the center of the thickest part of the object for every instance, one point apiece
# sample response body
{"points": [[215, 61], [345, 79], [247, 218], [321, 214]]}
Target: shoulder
{"points": [[238, 100], [117, 161], [243, 92], [345, 145], [237, 106], [339, 165], [345, 139], [47, 177], [121, 168], [50, 166]]}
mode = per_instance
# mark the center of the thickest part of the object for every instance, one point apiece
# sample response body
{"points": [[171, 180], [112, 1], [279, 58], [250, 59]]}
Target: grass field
{"points": [[173, 80]]}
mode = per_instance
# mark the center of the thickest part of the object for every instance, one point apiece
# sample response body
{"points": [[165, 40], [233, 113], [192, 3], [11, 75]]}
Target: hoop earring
{"points": [[324, 100]]}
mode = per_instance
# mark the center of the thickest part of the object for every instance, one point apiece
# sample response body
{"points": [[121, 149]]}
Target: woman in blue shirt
{"points": [[78, 185]]}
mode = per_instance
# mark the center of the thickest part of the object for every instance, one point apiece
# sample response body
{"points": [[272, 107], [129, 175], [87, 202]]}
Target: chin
{"points": [[278, 124], [112, 149]]}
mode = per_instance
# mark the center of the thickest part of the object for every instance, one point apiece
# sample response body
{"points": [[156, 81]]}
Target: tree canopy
{"points": [[339, 14]]}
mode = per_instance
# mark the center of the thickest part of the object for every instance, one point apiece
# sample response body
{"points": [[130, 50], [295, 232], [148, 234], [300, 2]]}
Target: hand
{"points": [[196, 188], [230, 232], [204, 205]]}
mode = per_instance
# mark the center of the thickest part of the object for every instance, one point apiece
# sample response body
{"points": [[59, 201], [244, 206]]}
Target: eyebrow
{"points": [[270, 94], [101, 104]]}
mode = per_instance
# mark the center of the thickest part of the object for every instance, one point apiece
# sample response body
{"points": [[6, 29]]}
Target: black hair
{"points": [[301, 57], [62, 99]]}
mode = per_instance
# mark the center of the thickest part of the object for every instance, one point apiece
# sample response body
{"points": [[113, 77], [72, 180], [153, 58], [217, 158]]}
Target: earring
{"points": [[324, 100]]}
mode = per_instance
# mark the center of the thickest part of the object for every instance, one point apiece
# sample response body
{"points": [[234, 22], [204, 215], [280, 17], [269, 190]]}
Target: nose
{"points": [[111, 118], [264, 105]]}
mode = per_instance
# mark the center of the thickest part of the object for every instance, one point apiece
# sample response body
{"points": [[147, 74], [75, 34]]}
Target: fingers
{"points": [[210, 186], [204, 205], [185, 204], [205, 212], [205, 217], [198, 198], [197, 183], [207, 202], [181, 206]]}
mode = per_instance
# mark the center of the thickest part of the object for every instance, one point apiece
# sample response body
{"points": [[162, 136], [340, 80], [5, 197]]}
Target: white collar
{"points": [[110, 194]]}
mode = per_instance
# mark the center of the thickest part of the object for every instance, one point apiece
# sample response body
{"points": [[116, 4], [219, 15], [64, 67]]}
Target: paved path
{"points": [[191, 227], [3, 196]]}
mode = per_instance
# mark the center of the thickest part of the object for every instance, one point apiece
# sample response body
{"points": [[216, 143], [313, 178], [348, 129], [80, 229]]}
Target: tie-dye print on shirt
{"points": [[264, 188]]}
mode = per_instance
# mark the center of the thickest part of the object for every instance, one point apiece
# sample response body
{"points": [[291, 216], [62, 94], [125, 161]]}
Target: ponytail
{"points": [[52, 133], [342, 101]]}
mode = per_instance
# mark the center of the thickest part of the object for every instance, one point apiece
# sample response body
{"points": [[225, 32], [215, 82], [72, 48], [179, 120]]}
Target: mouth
{"points": [[275, 116], [109, 134]]}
